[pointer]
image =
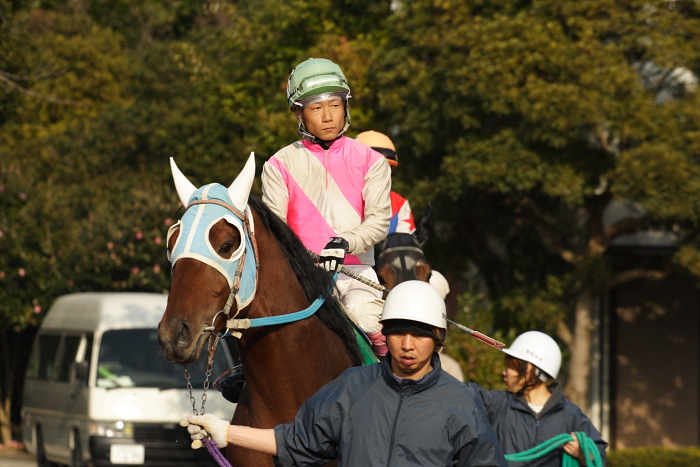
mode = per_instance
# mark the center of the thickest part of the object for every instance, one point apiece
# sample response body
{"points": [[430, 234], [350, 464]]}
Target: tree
{"points": [[525, 121]]}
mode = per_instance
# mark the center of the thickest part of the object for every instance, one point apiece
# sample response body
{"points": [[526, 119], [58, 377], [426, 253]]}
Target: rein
{"points": [[246, 323]]}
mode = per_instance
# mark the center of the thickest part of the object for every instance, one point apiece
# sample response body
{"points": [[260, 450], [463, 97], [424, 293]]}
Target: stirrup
{"points": [[230, 383]]}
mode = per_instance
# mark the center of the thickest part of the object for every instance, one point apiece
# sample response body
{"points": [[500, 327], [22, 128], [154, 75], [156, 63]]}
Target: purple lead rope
{"points": [[215, 453]]}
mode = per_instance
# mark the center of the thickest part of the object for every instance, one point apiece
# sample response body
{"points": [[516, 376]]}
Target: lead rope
{"points": [[587, 445], [208, 442]]}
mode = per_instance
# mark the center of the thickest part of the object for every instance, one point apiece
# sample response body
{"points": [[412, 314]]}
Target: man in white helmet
{"points": [[533, 409], [331, 190], [403, 411]]}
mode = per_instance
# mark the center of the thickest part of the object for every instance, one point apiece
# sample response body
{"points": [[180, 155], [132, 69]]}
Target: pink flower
{"points": [[168, 222], [113, 255], [156, 268], [23, 196], [135, 270], [110, 245], [22, 272], [37, 309], [139, 236], [157, 240], [2, 274]]}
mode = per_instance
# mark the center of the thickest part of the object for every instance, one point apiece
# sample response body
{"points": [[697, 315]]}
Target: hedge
{"points": [[654, 457]]}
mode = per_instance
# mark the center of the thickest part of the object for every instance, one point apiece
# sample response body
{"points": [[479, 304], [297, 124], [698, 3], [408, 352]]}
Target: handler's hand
{"points": [[202, 426], [573, 448]]}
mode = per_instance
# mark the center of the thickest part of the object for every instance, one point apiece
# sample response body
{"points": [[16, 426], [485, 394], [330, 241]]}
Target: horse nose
{"points": [[184, 336], [174, 339]]}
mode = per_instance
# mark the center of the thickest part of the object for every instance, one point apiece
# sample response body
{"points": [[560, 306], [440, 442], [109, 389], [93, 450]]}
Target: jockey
{"points": [[402, 220], [331, 190]]}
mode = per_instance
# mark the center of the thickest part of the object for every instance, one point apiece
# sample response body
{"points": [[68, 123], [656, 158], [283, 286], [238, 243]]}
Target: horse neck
{"points": [[285, 364]]}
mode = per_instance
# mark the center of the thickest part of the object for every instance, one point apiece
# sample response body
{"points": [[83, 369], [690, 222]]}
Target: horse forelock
{"points": [[315, 281]]}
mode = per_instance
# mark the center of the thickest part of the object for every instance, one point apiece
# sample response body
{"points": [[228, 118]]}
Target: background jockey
{"points": [[331, 190], [402, 220], [533, 409], [404, 411]]}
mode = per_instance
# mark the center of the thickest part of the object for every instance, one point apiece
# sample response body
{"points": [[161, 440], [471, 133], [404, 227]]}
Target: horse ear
{"points": [[241, 186], [184, 187]]}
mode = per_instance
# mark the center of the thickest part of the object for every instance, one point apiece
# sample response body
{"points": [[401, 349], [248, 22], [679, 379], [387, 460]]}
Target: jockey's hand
{"points": [[333, 254], [203, 426]]}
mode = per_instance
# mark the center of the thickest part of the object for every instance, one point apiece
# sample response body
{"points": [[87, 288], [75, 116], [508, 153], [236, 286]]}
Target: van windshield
{"points": [[132, 358]]}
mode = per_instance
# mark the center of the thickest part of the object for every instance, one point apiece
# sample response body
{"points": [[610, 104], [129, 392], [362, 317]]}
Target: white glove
{"points": [[332, 256], [202, 426]]}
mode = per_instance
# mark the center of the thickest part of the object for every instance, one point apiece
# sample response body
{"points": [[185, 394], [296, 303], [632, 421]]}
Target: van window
{"points": [[132, 358], [67, 357], [41, 365], [54, 356]]}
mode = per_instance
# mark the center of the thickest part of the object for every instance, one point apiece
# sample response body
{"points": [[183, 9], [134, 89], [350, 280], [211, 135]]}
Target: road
{"points": [[10, 457]]}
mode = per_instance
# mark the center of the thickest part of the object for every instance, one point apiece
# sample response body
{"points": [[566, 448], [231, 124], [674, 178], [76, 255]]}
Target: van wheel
{"points": [[76, 455], [41, 460]]}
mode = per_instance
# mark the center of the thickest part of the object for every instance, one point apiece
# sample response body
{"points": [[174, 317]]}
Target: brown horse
{"points": [[400, 258], [239, 258]]}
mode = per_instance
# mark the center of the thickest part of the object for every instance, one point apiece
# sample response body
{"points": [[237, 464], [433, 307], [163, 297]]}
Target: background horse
{"points": [[284, 364], [398, 258]]}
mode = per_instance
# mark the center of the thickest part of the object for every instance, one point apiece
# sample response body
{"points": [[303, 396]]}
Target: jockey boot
{"points": [[231, 383]]}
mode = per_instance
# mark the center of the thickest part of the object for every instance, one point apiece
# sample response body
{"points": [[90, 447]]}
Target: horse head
{"points": [[213, 262], [400, 258]]}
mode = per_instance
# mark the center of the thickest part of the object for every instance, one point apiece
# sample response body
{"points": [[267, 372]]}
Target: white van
{"points": [[99, 392]]}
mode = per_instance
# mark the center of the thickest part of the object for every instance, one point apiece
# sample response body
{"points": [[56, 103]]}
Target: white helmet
{"points": [[539, 349], [438, 281], [416, 301]]}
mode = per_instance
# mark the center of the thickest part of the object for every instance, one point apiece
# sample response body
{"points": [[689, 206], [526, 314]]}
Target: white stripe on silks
{"points": [[330, 201]]}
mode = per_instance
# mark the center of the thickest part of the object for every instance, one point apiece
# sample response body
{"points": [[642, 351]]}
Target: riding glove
{"points": [[203, 426], [333, 254]]}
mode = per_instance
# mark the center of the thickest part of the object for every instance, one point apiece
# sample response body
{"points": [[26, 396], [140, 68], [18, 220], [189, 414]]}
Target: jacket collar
{"points": [[410, 386], [554, 403], [317, 148]]}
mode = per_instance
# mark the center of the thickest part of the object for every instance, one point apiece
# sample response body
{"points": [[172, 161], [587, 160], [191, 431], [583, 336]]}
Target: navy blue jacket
{"points": [[365, 417], [518, 428]]}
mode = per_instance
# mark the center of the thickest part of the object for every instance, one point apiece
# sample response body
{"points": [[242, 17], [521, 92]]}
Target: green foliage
{"points": [[653, 456], [522, 122], [480, 363]]}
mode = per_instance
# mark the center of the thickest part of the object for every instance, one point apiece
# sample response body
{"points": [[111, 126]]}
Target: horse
{"points": [[398, 258], [237, 267]]}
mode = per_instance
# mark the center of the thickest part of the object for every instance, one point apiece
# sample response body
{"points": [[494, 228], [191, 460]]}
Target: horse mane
{"points": [[315, 281]]}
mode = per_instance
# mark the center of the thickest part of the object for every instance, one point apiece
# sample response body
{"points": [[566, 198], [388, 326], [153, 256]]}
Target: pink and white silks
{"points": [[343, 192]]}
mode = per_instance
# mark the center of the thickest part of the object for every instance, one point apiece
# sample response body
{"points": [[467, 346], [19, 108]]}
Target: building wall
{"points": [[655, 364]]}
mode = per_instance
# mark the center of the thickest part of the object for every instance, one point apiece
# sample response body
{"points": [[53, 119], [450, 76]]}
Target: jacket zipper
{"points": [[325, 166], [393, 428]]}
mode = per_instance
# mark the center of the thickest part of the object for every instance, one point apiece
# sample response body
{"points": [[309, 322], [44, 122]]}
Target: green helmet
{"points": [[313, 77]]}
